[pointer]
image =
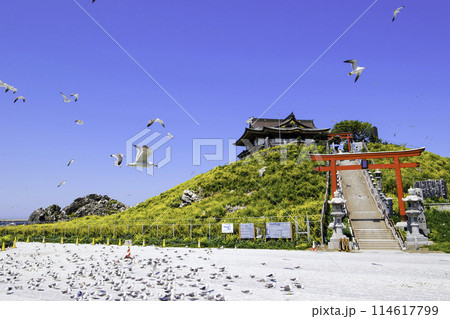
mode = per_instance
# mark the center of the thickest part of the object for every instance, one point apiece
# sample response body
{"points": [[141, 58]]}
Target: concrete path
{"points": [[369, 226]]}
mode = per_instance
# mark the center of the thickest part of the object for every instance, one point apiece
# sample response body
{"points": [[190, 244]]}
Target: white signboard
{"points": [[127, 242], [227, 228], [278, 230]]}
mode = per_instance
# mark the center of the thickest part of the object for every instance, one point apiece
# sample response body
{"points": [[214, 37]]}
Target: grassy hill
{"points": [[289, 190]]}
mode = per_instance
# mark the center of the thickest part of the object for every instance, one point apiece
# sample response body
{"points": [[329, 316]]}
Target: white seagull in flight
{"points": [[19, 98], [70, 162], [119, 159], [156, 120], [75, 95], [79, 122], [61, 184], [395, 13], [143, 152], [65, 98], [355, 68]]}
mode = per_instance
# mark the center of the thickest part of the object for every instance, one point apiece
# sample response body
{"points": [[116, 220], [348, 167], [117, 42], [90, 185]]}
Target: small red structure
{"points": [[364, 157], [342, 136]]}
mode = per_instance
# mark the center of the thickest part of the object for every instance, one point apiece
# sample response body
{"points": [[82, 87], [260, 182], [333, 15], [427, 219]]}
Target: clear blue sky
{"points": [[224, 61]]}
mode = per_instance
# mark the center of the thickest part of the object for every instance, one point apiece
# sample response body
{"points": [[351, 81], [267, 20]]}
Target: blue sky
{"points": [[223, 61]]}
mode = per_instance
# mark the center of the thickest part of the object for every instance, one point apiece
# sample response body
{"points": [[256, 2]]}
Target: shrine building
{"points": [[264, 133]]}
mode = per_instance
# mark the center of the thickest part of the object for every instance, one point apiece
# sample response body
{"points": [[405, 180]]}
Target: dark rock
{"points": [[92, 204]]}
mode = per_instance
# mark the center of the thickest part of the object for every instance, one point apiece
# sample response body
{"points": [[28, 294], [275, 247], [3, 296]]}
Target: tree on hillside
{"points": [[362, 131]]}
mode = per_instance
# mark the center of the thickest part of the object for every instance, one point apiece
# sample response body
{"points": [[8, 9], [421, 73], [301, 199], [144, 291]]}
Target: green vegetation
{"points": [[362, 131], [438, 222], [289, 187]]}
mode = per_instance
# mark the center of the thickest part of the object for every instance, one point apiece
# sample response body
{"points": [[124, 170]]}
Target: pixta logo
{"points": [[152, 140]]}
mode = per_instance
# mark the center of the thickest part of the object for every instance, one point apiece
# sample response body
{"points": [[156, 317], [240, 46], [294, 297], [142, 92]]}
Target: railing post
{"points": [[307, 227]]}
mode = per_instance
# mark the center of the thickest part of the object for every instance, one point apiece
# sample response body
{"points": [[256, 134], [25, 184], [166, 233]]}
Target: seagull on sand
{"points": [[355, 68], [75, 95], [70, 162], [61, 184], [79, 122], [143, 152], [155, 120], [396, 11], [119, 158], [65, 97], [261, 171], [19, 98]]}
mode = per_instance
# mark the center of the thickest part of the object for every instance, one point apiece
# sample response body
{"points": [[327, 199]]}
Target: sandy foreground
{"points": [[36, 271]]}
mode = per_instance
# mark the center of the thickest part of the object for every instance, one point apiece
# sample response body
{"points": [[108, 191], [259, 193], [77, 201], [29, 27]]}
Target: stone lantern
{"points": [[338, 214], [378, 174], [413, 237]]}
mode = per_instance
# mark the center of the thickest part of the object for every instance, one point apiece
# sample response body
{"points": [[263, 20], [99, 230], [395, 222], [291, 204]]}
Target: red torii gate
{"points": [[397, 165], [347, 136]]}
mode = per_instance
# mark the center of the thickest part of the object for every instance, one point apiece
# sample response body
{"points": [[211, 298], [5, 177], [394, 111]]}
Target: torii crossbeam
{"points": [[397, 165]]}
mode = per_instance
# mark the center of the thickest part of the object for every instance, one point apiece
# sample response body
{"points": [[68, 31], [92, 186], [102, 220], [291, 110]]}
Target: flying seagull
{"points": [[19, 98], [65, 97], [355, 68], [261, 171], [396, 11], [79, 122], [61, 184], [10, 87], [169, 135], [143, 152], [156, 120], [2, 84], [70, 162], [250, 120], [75, 95], [119, 159]]}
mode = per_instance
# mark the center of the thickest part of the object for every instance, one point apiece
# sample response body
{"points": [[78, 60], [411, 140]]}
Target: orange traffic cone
{"points": [[128, 256], [314, 246]]}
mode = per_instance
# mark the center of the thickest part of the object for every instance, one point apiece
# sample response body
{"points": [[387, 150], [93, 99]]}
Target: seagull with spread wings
{"points": [[156, 120], [70, 162], [143, 152], [355, 68], [66, 100], [79, 122], [396, 11], [61, 184], [19, 98], [75, 95], [119, 159]]}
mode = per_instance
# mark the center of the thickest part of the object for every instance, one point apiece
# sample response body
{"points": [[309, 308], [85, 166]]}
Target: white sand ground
{"points": [[36, 271]]}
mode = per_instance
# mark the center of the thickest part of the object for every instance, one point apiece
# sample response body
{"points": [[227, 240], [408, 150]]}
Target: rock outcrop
{"points": [[92, 204], [190, 197]]}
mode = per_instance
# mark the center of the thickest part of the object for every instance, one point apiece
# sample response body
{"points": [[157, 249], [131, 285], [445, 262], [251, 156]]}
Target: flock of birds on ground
{"points": [[167, 275]]}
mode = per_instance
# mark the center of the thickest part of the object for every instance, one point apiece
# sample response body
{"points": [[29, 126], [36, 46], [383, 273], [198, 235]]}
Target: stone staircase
{"points": [[368, 224]]}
